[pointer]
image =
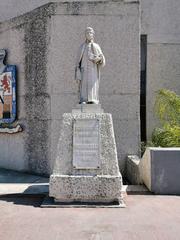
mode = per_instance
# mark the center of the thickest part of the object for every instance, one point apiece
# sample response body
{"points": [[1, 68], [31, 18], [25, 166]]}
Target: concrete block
{"points": [[132, 170], [160, 168]]}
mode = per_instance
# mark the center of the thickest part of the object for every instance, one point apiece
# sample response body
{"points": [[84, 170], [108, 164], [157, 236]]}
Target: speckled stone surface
{"points": [[99, 185], [85, 188]]}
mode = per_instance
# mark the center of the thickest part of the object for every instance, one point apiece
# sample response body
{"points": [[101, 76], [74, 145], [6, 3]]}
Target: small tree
{"points": [[167, 109]]}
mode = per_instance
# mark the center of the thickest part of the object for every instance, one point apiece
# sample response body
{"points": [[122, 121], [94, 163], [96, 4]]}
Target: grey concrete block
{"points": [[132, 170], [160, 168]]}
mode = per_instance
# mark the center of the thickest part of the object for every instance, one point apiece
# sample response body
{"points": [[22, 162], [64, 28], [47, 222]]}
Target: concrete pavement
{"points": [[146, 217], [13, 182]]}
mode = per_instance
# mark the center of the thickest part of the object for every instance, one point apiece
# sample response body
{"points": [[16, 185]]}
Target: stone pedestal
{"points": [[86, 168], [87, 108]]}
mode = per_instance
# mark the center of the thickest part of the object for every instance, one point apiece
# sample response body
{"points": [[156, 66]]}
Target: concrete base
{"points": [[104, 189], [102, 184], [50, 203], [87, 108]]}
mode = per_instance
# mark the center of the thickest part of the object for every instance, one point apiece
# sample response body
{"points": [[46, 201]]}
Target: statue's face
{"points": [[89, 35]]}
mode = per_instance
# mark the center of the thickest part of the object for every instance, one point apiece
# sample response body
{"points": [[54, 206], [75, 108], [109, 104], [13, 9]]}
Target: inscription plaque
{"points": [[86, 144]]}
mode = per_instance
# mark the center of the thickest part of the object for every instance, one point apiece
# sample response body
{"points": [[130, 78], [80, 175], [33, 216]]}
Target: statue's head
{"points": [[2, 55], [89, 33]]}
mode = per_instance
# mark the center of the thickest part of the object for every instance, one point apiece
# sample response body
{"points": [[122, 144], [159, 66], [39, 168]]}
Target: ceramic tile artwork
{"points": [[8, 94]]}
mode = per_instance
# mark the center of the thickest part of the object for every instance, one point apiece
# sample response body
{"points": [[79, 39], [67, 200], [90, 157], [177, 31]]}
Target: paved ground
{"points": [[13, 182], [9, 176], [147, 217]]}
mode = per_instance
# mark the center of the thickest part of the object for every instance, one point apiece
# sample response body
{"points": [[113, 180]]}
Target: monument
{"points": [[86, 167]]}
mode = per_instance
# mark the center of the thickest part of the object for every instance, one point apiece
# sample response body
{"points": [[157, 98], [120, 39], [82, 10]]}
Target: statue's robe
{"points": [[89, 72]]}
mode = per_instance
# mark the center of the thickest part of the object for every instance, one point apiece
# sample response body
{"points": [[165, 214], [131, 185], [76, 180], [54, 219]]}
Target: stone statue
{"points": [[2, 56], [87, 72]]}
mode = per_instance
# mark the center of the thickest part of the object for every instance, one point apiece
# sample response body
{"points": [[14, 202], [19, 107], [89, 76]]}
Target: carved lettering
{"points": [[86, 144]]}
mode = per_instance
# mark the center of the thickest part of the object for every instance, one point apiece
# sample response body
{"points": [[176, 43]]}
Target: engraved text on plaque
{"points": [[86, 144]]}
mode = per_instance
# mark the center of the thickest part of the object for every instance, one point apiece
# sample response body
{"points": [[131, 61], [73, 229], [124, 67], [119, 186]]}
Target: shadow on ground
{"points": [[9, 176], [29, 200], [37, 189]]}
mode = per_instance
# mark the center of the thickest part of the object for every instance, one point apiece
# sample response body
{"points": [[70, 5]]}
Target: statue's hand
{"points": [[97, 59]]}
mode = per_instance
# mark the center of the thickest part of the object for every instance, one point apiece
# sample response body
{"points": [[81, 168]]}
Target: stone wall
{"points": [[26, 40], [47, 40], [161, 23]]}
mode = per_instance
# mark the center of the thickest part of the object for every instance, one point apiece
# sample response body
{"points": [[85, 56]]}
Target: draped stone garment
{"points": [[89, 72]]}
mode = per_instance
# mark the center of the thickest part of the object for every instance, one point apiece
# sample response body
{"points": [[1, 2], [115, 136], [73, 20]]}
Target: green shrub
{"points": [[167, 109]]}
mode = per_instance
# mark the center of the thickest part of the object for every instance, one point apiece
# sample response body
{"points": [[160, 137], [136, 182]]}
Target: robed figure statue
{"points": [[87, 72]]}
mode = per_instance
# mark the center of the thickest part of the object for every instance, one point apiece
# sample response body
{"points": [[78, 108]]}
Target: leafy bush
{"points": [[167, 109]]}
